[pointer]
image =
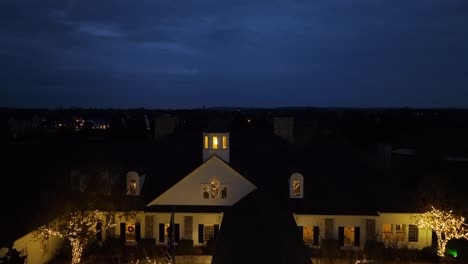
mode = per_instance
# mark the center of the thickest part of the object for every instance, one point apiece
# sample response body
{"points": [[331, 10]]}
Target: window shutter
{"points": [[200, 234], [316, 235], [122, 231], [341, 235], [301, 232], [161, 232], [137, 231], [216, 230], [177, 232], [357, 236], [99, 231]]}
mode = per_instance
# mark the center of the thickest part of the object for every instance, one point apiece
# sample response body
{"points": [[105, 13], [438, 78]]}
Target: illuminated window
{"points": [[224, 192], [215, 142], [413, 233], [224, 142], [132, 187], [387, 230], [215, 188], [400, 232], [206, 142], [349, 236], [206, 191], [296, 188], [208, 232], [307, 234]]}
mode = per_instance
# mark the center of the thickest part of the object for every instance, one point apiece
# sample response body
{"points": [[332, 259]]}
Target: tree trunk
{"points": [[77, 250], [441, 243]]}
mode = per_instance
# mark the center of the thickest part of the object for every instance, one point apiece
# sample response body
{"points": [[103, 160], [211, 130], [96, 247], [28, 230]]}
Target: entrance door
{"points": [[130, 233]]}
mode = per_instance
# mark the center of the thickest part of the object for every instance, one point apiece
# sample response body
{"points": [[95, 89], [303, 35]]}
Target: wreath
{"points": [[130, 229]]}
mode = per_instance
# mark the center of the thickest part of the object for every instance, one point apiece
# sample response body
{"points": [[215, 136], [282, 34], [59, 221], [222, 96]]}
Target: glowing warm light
{"points": [[77, 227], [215, 188], [206, 142], [215, 142], [296, 187], [224, 142], [445, 224]]}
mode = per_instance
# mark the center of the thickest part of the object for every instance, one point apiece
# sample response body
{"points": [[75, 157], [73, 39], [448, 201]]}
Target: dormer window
{"points": [[132, 187], [134, 183], [296, 186], [215, 142], [206, 140], [296, 191]]}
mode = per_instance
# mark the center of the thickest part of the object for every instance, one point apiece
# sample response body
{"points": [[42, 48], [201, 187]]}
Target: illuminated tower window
{"points": [[206, 142], [215, 142], [224, 142]]}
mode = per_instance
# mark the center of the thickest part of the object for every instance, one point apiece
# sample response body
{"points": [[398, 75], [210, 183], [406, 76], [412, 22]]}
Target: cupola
{"points": [[216, 143]]}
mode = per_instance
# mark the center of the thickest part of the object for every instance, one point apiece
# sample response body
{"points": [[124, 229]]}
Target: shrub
{"points": [[330, 248], [185, 247], [429, 254], [375, 249], [210, 247]]}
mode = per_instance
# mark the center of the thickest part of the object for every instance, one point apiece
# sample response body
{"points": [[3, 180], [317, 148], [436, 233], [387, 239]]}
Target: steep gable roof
{"points": [[188, 191]]}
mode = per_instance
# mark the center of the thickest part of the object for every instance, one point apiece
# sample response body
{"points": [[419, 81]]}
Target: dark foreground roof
{"points": [[255, 231]]}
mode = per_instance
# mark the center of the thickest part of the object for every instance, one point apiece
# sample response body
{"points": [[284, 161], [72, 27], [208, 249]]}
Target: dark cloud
{"points": [[174, 53]]}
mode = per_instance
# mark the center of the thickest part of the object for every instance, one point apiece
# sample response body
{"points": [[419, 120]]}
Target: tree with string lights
{"points": [[445, 224], [76, 226]]}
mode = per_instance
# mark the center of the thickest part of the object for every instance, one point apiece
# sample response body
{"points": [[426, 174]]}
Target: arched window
{"points": [[296, 186]]}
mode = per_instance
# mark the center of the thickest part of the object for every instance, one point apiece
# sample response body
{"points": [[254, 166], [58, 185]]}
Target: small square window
{"points": [[206, 191], [224, 191]]}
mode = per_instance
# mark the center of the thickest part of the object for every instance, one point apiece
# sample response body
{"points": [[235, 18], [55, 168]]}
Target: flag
{"points": [[170, 247]]}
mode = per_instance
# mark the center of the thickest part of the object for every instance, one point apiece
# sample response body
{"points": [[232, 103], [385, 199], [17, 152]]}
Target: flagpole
{"points": [[173, 230]]}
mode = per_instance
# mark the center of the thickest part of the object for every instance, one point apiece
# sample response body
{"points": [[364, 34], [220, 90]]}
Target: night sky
{"points": [[253, 53]]}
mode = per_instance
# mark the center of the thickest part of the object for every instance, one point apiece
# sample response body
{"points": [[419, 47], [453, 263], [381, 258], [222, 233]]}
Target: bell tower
{"points": [[216, 144]]}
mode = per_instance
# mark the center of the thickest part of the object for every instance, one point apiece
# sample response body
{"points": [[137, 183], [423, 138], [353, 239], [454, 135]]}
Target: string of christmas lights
{"points": [[445, 224]]}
